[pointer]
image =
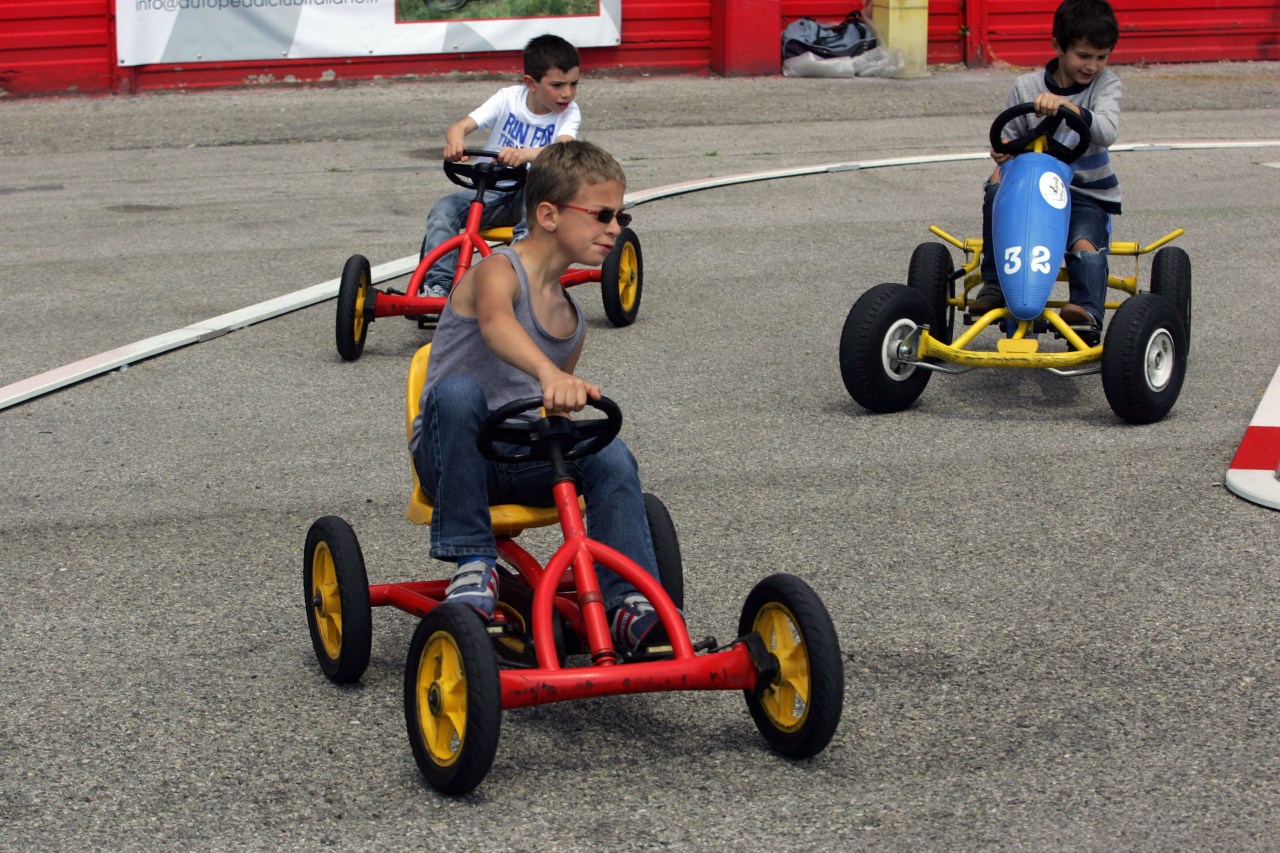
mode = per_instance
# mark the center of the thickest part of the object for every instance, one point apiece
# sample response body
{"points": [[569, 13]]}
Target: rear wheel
{"points": [[1171, 278], [622, 279], [870, 366], [1144, 359], [452, 699], [930, 275], [667, 548], [799, 710], [336, 590], [354, 288]]}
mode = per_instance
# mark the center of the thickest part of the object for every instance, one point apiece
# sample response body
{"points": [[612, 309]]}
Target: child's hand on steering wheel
{"points": [[1047, 104], [514, 156], [453, 151], [563, 393]]}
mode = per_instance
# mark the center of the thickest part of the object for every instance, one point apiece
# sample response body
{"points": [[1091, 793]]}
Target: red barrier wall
{"points": [[68, 46]]}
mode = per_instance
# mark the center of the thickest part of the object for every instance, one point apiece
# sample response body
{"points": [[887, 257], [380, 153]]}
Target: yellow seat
{"points": [[507, 519], [498, 235]]}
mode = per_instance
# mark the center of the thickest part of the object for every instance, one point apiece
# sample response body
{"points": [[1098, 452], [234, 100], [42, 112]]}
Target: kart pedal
{"points": [[657, 651], [766, 662], [1091, 335]]}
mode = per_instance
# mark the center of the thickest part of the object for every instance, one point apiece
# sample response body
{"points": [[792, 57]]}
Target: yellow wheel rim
{"points": [[361, 293], [442, 699], [786, 701], [326, 600], [628, 277]]}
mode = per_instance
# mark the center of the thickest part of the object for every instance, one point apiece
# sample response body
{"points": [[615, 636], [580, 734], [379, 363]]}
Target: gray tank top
{"points": [[458, 348]]}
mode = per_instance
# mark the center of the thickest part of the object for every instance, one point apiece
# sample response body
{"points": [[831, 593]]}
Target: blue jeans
{"points": [[448, 216], [462, 484], [1086, 271]]}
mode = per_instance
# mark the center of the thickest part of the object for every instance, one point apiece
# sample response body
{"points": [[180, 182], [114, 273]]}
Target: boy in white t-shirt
{"points": [[521, 121]]}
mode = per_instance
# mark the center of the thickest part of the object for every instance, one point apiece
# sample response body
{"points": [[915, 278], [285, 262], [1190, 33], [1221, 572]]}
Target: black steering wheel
{"points": [[1046, 128], [486, 175], [574, 439]]}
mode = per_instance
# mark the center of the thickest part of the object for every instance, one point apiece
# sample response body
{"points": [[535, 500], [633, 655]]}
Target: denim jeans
{"points": [[1086, 271], [448, 216], [462, 484]]}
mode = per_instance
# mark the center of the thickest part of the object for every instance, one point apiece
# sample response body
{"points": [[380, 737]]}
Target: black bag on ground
{"points": [[850, 37]]}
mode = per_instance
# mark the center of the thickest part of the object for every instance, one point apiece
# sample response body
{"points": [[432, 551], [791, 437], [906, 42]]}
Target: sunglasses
{"points": [[604, 216]]}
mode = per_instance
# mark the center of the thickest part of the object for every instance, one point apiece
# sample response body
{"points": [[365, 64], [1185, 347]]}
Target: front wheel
{"points": [[452, 699], [799, 710], [336, 590], [870, 364], [1144, 359], [354, 288], [622, 279], [1171, 278], [930, 274]]}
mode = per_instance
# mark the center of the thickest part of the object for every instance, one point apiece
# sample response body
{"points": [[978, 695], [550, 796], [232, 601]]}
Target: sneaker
{"points": [[635, 624], [989, 298], [440, 291], [475, 584], [1074, 315]]}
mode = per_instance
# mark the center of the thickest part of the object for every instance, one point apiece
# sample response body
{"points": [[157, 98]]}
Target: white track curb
{"points": [[1255, 471]]}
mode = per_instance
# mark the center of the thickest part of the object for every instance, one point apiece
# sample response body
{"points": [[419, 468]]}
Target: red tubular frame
{"points": [[571, 568]]}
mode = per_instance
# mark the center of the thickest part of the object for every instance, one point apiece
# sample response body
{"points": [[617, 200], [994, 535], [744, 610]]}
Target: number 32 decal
{"points": [[1039, 260]]}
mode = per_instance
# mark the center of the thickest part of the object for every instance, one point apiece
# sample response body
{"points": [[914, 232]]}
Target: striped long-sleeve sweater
{"points": [[1100, 104]]}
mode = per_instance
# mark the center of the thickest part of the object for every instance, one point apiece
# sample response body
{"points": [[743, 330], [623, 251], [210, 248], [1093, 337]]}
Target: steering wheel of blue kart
{"points": [[575, 438], [1046, 128], [493, 174]]}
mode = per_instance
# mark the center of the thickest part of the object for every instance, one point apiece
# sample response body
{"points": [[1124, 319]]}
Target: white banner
{"points": [[151, 32]]}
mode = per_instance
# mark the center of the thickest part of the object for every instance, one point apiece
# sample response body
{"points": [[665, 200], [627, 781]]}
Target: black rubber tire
{"points": [[336, 594], [444, 5], [870, 374], [622, 279], [452, 648], [930, 275], [355, 286], [1144, 358], [788, 613], [667, 548], [1171, 278]]}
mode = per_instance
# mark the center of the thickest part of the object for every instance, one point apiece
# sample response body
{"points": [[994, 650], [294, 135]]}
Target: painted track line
{"points": [[96, 365]]}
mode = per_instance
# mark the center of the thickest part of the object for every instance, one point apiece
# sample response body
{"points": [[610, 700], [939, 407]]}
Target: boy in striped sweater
{"points": [[1084, 33]]}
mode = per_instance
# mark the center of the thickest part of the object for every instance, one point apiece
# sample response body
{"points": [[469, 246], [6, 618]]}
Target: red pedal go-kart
{"points": [[359, 303], [895, 337], [549, 640]]}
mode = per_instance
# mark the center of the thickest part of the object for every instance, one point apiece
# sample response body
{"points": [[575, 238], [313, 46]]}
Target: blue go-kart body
{"points": [[897, 336], [1029, 220]]}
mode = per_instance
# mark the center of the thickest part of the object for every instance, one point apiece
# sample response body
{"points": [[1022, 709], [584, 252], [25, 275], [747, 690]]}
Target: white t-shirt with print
{"points": [[511, 125]]}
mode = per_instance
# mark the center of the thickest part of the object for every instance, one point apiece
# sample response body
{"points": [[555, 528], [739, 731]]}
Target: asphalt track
{"points": [[1059, 629]]}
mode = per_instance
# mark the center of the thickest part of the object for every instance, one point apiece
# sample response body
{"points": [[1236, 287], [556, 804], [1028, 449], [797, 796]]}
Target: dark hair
{"points": [[1090, 20], [561, 169], [545, 52]]}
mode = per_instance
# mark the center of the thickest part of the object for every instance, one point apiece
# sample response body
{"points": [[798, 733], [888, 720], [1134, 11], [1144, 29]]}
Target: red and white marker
{"points": [[1255, 471]]}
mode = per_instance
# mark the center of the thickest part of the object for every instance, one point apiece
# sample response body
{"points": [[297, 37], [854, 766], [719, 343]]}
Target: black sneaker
{"points": [[989, 298]]}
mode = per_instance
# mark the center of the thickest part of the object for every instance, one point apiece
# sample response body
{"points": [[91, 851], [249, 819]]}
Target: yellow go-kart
{"points": [[896, 336]]}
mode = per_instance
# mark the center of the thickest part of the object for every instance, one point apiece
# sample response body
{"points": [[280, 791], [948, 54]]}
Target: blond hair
{"points": [[562, 168]]}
